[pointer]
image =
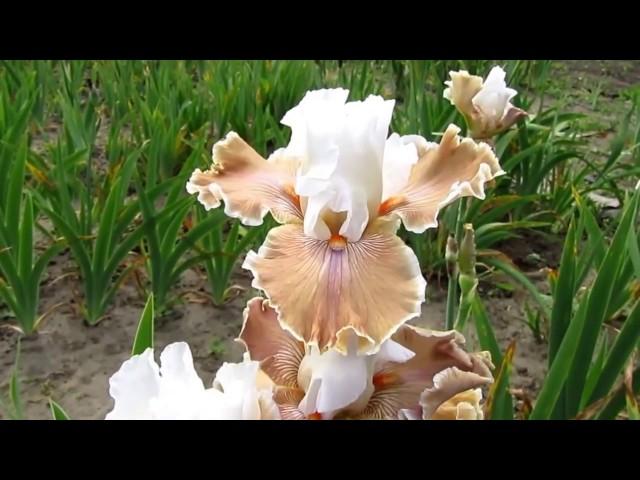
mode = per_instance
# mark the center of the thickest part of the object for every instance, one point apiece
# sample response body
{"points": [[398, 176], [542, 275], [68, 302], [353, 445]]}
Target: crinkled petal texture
{"points": [[278, 352], [461, 90], [445, 172], [133, 386], [400, 389], [247, 393], [311, 384], [453, 396], [463, 406], [249, 185], [340, 146], [493, 98], [486, 105], [142, 390], [322, 290], [174, 391]]}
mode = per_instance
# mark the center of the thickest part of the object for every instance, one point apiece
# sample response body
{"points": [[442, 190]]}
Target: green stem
{"points": [[452, 271]]}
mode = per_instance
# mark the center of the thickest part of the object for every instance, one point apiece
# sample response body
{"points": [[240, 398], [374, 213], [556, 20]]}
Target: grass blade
{"points": [[144, 333], [57, 412]]}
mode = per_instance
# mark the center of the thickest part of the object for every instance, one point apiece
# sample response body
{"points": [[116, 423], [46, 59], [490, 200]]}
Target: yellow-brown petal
{"points": [[399, 386], [249, 185], [446, 385], [461, 89], [321, 289], [463, 406], [454, 168], [278, 352], [287, 399]]}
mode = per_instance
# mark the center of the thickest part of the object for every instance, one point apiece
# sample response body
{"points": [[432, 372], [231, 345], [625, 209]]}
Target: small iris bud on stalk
{"points": [[451, 259], [467, 279], [467, 254]]}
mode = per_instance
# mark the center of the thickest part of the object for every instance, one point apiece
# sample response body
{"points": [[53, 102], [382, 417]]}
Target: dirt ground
{"points": [[71, 362]]}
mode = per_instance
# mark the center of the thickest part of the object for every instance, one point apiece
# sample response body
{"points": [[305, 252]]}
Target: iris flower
{"points": [[142, 390], [335, 266], [485, 105], [416, 373]]}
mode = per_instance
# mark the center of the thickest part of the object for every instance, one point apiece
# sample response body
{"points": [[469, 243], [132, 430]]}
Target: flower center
{"points": [[337, 242]]}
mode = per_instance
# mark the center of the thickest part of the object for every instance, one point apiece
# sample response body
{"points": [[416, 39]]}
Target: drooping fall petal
{"points": [[288, 400], [278, 352], [399, 386], [454, 168], [249, 185], [322, 290]]}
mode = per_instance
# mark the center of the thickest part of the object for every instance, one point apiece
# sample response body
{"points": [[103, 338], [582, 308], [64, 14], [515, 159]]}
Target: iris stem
{"points": [[452, 269]]}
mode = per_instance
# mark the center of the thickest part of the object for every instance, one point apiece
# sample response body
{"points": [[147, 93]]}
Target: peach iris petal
{"points": [[278, 352], [399, 386], [321, 289], [454, 168], [249, 185]]}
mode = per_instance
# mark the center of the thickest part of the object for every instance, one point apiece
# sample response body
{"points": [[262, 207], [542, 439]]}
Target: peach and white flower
{"points": [[143, 390], [486, 105], [341, 188], [415, 373]]}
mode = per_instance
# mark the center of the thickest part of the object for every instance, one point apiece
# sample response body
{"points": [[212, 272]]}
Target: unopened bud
{"points": [[467, 254]]}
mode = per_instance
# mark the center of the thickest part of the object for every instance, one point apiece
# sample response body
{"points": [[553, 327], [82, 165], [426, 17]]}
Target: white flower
{"points": [[142, 390], [412, 374], [485, 105], [341, 187]]}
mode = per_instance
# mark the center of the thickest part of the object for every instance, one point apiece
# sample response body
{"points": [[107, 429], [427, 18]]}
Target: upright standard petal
{"points": [[493, 98], [340, 147], [180, 386], [460, 91], [322, 290], [249, 185], [334, 381], [455, 168], [133, 387], [247, 395]]}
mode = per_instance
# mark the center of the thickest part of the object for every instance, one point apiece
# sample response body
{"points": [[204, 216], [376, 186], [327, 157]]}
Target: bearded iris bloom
{"points": [[416, 373], [485, 105], [335, 271], [143, 390]]}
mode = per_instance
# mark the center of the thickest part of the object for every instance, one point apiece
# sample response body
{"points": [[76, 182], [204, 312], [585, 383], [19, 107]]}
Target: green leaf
{"points": [[14, 193], [486, 336], [144, 334], [598, 302], [499, 401], [25, 245], [634, 252], [104, 234], [623, 347], [563, 294], [517, 275], [576, 348], [57, 413], [14, 386]]}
